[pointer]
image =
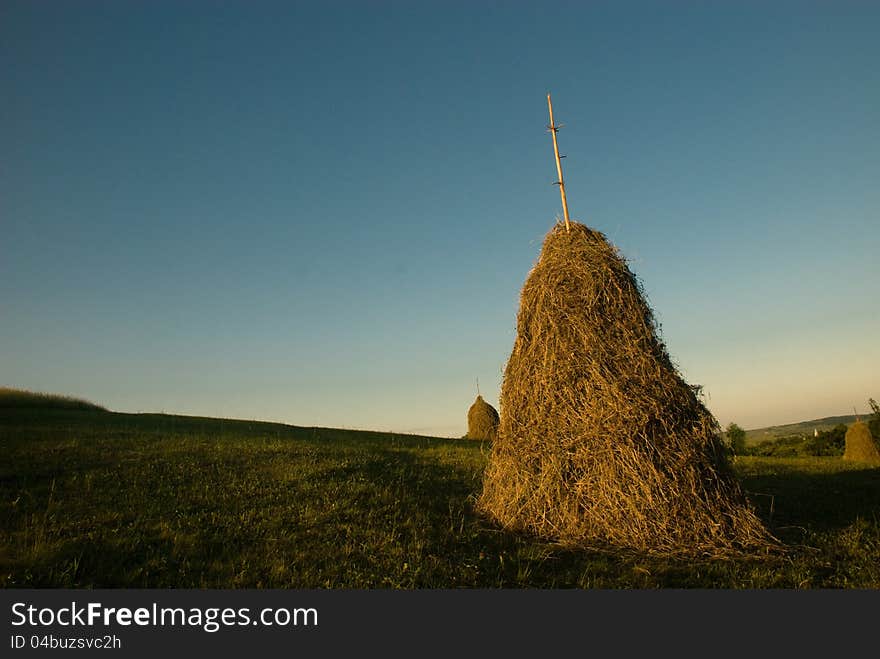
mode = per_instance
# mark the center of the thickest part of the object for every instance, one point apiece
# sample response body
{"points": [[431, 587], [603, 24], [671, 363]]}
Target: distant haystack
{"points": [[861, 445], [601, 442], [482, 421]]}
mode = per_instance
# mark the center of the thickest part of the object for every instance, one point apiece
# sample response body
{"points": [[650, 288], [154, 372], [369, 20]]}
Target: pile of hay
{"points": [[860, 444], [482, 421], [601, 442]]}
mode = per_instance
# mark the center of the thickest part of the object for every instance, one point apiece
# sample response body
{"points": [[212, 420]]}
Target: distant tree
{"points": [[874, 424], [736, 438], [828, 442]]}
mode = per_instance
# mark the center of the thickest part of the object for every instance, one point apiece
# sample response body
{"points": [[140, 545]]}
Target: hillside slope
{"points": [[801, 428]]}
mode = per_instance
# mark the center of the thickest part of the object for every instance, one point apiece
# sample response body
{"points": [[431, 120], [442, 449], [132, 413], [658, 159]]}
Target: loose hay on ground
{"points": [[601, 442]]}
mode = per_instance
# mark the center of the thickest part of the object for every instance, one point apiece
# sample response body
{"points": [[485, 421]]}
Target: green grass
{"points": [[100, 499]]}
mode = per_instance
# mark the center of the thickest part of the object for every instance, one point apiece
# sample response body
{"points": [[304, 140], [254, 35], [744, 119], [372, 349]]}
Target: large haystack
{"points": [[601, 442], [861, 445], [482, 421]]}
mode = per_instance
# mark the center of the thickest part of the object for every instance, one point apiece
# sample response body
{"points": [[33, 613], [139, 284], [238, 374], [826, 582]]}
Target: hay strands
{"points": [[553, 128], [601, 442]]}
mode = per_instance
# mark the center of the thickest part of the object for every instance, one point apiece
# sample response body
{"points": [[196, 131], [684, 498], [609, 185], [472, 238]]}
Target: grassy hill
{"points": [[90, 498], [22, 398]]}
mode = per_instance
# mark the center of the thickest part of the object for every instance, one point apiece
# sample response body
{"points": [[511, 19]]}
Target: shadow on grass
{"points": [[794, 504], [463, 549], [815, 501]]}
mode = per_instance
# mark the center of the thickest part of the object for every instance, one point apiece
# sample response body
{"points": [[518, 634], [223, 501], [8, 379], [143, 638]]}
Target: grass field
{"points": [[90, 498]]}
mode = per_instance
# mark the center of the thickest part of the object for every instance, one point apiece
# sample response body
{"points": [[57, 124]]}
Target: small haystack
{"points": [[482, 421], [861, 445], [601, 442]]}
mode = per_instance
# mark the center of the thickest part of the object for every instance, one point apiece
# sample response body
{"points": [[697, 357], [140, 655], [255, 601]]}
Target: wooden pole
{"points": [[561, 182]]}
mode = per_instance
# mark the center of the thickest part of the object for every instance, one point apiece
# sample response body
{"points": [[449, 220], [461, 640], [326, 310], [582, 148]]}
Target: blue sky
{"points": [[323, 213]]}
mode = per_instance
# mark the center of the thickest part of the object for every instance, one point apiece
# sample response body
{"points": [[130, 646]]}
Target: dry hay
{"points": [[601, 442], [860, 444], [482, 420]]}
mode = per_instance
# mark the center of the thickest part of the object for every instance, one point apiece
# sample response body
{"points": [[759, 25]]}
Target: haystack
{"points": [[601, 442], [861, 445], [482, 421]]}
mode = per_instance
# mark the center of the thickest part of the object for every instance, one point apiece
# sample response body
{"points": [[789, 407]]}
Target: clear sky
{"points": [[322, 213]]}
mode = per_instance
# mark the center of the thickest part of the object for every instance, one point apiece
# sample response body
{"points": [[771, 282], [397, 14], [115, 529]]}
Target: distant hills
{"points": [[802, 428]]}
